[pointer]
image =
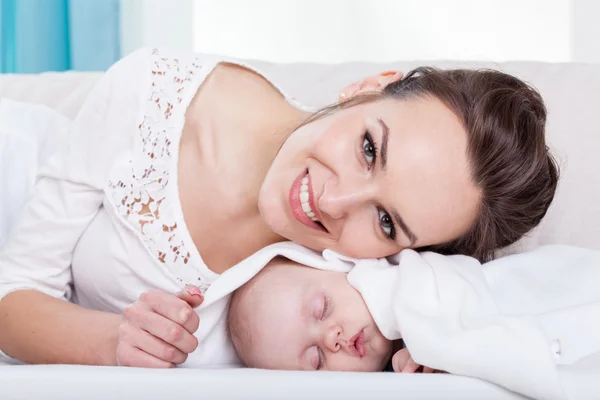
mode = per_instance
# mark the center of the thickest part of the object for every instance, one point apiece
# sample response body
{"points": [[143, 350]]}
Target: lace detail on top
{"points": [[143, 193]]}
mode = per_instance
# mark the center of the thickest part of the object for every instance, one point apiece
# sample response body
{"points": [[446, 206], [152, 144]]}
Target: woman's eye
{"points": [[387, 225], [369, 149]]}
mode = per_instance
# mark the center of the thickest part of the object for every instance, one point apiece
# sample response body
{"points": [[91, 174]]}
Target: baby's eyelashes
{"points": [[314, 357], [321, 359], [320, 307]]}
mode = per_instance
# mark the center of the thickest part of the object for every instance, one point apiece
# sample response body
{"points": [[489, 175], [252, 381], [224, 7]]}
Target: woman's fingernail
{"points": [[194, 291]]}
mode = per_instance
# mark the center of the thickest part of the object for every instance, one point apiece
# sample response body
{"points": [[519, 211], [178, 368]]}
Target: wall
{"points": [[157, 23], [369, 30], [347, 30]]}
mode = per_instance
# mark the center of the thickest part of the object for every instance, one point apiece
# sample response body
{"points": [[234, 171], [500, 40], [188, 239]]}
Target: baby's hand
{"points": [[157, 331], [402, 362]]}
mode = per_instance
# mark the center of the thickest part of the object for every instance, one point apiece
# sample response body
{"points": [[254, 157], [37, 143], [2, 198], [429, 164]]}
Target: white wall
{"points": [[369, 30], [379, 30], [586, 30], [157, 23]]}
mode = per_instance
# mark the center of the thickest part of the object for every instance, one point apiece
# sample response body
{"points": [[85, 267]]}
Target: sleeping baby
{"points": [[293, 317], [288, 307]]}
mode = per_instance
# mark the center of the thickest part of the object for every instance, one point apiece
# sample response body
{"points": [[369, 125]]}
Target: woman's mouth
{"points": [[302, 202], [356, 344]]}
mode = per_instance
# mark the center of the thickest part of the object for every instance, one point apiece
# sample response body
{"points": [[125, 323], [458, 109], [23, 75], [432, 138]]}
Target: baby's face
{"points": [[301, 318]]}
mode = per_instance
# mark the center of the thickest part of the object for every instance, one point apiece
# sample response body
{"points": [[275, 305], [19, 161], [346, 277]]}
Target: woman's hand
{"points": [[157, 331], [402, 361]]}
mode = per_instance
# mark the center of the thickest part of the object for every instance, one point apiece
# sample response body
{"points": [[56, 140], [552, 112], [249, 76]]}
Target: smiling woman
{"points": [[179, 166], [453, 161]]}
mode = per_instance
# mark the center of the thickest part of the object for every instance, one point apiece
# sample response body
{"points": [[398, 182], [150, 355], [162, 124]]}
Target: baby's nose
{"points": [[333, 338]]}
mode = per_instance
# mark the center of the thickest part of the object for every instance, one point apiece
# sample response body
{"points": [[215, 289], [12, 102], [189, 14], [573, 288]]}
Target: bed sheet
{"points": [[82, 382]]}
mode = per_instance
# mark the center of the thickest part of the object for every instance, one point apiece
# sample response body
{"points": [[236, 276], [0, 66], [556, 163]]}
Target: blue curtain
{"points": [[58, 35]]}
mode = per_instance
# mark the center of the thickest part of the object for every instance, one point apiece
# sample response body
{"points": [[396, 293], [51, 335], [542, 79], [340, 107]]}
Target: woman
{"points": [[174, 156]]}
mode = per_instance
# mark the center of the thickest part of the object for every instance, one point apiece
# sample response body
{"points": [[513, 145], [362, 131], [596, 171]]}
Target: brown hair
{"points": [[505, 121]]}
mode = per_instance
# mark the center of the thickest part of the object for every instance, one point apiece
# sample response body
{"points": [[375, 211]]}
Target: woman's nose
{"points": [[333, 337], [336, 200]]}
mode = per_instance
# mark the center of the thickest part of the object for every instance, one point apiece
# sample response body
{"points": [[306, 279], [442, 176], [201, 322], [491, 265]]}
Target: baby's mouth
{"points": [[356, 344]]}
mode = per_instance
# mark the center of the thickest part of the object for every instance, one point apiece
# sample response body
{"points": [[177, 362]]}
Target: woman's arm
{"points": [[157, 331], [40, 329], [37, 324]]}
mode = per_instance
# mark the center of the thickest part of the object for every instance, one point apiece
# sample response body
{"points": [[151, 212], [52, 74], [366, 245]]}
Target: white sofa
{"points": [[572, 96]]}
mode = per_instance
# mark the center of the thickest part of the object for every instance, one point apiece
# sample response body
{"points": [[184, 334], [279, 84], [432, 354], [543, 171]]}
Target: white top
{"points": [[105, 223], [528, 322]]}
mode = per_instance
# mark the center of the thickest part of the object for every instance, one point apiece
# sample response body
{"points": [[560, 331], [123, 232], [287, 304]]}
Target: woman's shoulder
{"points": [[151, 69]]}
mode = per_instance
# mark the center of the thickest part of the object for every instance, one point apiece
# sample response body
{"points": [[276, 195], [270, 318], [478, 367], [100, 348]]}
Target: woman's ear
{"points": [[374, 83]]}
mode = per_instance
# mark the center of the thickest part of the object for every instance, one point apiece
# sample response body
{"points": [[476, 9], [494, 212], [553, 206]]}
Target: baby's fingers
{"points": [[411, 366], [400, 360]]}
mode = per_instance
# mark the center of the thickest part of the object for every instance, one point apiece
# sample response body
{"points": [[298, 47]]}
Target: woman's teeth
{"points": [[304, 199]]}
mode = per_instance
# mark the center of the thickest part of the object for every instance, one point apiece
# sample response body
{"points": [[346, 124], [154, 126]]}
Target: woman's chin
{"points": [[295, 232]]}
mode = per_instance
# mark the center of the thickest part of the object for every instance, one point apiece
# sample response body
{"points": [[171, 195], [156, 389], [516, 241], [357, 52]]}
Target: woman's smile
{"points": [[302, 202]]}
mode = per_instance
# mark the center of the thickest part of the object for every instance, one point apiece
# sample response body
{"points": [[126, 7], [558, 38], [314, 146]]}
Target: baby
{"points": [[294, 317]]}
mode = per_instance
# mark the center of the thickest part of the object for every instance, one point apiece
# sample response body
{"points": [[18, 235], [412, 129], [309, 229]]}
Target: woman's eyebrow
{"points": [[384, 143], [400, 221]]}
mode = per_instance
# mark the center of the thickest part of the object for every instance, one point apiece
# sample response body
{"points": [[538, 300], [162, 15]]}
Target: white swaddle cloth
{"points": [[529, 322]]}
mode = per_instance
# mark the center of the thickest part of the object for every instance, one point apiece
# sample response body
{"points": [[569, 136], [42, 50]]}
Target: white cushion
{"points": [[63, 91], [64, 382], [29, 133]]}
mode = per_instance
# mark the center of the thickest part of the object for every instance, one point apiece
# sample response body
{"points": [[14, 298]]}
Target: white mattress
{"points": [[78, 382]]}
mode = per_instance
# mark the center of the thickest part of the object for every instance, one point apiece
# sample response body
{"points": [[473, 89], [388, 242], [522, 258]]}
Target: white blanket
{"points": [[528, 322]]}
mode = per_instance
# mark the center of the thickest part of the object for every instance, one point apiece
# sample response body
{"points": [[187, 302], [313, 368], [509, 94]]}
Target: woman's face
{"points": [[373, 179]]}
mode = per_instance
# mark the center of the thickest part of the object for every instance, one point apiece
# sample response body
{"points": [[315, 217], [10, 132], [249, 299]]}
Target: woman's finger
{"points": [[191, 295], [170, 332], [129, 356], [172, 308], [152, 345], [161, 327]]}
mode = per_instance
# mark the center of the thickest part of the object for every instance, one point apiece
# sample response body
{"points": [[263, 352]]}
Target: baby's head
{"points": [[300, 318]]}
